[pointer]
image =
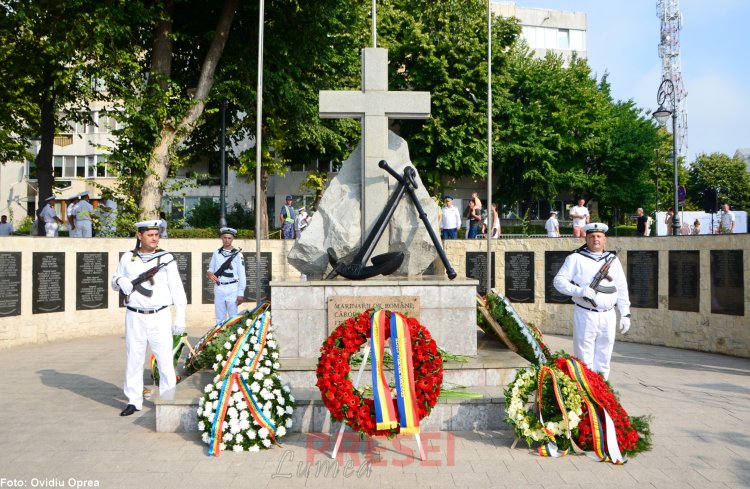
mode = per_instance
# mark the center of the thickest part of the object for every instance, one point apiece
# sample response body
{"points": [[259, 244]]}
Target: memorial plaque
{"points": [[265, 274], [91, 281], [727, 282], [185, 267], [684, 281], [48, 272], [643, 279], [519, 276], [476, 267], [10, 284], [207, 291], [553, 261], [342, 307]]}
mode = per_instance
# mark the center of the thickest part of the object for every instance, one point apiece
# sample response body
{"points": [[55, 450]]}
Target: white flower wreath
{"points": [[526, 422], [247, 427]]}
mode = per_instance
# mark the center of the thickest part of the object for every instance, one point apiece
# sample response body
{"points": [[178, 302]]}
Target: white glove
{"points": [[624, 324], [178, 327], [589, 293], [126, 286]]}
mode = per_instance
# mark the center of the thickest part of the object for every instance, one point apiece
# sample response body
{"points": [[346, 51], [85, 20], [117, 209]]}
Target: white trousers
{"points": [[594, 338], [142, 330], [225, 301], [50, 229], [84, 229]]}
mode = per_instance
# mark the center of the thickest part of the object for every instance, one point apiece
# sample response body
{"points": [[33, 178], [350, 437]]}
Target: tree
{"points": [[717, 170]]}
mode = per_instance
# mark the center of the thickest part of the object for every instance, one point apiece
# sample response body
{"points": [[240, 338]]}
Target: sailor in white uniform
{"points": [[83, 212], [594, 316], [227, 272], [48, 216], [148, 320]]}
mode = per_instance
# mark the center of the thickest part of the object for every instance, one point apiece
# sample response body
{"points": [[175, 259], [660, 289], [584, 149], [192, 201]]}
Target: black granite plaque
{"points": [[48, 272], [553, 261], [265, 274], [183, 260], [91, 281], [10, 283], [727, 282], [207, 291], [643, 279], [476, 267], [684, 281], [519, 276]]}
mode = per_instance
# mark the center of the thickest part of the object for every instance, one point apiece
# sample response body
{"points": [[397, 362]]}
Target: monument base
{"points": [[485, 375]]}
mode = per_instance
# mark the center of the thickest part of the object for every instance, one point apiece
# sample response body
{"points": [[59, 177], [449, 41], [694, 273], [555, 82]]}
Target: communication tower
{"points": [[668, 12]]}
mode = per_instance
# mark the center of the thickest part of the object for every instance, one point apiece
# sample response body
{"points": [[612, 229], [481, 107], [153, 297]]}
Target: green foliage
{"points": [[717, 170], [511, 328], [208, 212]]}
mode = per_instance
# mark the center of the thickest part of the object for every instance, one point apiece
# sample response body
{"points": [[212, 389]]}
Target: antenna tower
{"points": [[668, 12]]}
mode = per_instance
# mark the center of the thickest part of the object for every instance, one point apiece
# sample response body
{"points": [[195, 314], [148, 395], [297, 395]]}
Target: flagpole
{"points": [[258, 141], [490, 219]]}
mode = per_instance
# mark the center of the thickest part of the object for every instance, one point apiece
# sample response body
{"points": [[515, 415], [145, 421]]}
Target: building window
{"points": [[563, 39]]}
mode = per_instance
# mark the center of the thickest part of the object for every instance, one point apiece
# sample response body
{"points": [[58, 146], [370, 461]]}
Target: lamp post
{"points": [[223, 184], [666, 90]]}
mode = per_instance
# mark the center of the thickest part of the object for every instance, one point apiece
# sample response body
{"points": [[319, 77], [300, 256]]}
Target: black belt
{"points": [[145, 311], [594, 310], [227, 283]]}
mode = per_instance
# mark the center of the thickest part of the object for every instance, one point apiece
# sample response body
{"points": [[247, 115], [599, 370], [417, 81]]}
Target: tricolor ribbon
{"points": [[217, 427], [550, 449], [177, 346], [406, 399], [260, 326], [604, 436]]}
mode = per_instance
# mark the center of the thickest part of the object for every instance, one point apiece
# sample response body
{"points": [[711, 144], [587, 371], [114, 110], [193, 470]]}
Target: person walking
{"points": [[641, 222], [227, 271], [286, 218], [495, 218], [475, 220], [552, 225], [150, 280], [163, 225], [450, 219], [580, 216], [594, 317]]}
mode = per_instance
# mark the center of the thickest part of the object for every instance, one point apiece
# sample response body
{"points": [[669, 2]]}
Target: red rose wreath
{"points": [[347, 403]]}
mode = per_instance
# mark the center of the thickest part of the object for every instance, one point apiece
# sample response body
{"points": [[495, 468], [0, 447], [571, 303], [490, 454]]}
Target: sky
{"points": [[623, 37]]}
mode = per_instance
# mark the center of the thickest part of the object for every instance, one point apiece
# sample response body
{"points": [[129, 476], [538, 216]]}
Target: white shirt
{"points": [[48, 214], [6, 229], [167, 287], [163, 229], [727, 218], [577, 273], [83, 210], [235, 271], [450, 218], [580, 210], [552, 226]]}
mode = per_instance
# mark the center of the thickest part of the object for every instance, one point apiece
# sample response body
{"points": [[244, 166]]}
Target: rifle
{"points": [[601, 275], [226, 263], [148, 275]]}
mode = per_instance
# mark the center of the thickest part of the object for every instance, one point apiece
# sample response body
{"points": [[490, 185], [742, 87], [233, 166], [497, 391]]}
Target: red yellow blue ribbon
{"points": [[550, 449], [385, 415], [260, 326], [403, 366]]}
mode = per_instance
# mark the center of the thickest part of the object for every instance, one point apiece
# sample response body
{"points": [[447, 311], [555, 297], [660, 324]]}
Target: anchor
{"points": [[387, 263]]}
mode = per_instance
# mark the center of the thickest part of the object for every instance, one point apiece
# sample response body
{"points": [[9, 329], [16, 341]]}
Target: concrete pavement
{"points": [[59, 427]]}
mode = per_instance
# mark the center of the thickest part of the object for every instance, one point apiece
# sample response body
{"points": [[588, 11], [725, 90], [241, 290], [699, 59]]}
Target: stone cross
{"points": [[374, 105]]}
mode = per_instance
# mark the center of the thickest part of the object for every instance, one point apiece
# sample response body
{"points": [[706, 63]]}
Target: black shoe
{"points": [[129, 409]]}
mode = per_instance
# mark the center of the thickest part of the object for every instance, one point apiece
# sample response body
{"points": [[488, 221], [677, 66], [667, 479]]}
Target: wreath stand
{"points": [[343, 423]]}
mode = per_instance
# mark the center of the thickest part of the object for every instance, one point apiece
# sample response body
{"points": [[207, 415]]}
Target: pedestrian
{"points": [[286, 218], [594, 316], [6, 228], [496, 230], [70, 215], [641, 222], [696, 227], [450, 219], [83, 212], [48, 216], [580, 216], [552, 225], [669, 220], [150, 280], [163, 225], [475, 220], [227, 271], [726, 220], [301, 221]]}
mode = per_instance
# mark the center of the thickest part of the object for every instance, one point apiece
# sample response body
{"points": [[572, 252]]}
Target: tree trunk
{"points": [[43, 161], [173, 135]]}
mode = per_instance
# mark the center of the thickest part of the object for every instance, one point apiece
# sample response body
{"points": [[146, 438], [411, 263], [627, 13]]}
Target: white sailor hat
{"points": [[553, 212], [147, 225], [51, 197], [83, 194], [595, 227], [228, 230]]}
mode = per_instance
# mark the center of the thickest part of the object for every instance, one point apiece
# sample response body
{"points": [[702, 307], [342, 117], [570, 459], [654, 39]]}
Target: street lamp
{"points": [[666, 90], [223, 184]]}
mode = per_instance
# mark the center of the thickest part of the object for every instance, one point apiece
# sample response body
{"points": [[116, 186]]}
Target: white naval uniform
{"points": [[71, 211], [83, 212], [144, 327], [593, 327], [48, 215], [232, 283]]}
